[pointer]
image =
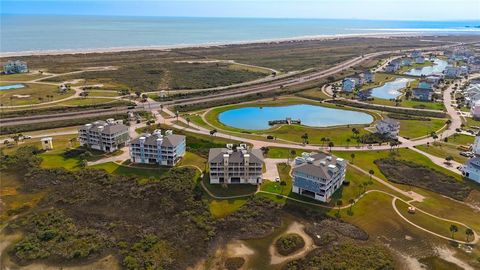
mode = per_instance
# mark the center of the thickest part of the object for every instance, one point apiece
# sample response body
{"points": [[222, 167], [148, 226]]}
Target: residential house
{"points": [[475, 110], [235, 165], [318, 175], [419, 60], [393, 66], [463, 70], [472, 94], [423, 94], [415, 54], [368, 76], [107, 136], [425, 84], [155, 148], [406, 62], [388, 127], [12, 67], [348, 85], [471, 169], [452, 72], [434, 80]]}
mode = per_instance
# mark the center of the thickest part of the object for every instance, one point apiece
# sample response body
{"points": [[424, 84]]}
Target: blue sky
{"points": [[343, 9]]}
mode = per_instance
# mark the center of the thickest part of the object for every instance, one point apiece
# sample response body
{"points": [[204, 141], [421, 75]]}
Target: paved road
{"points": [[242, 91]]}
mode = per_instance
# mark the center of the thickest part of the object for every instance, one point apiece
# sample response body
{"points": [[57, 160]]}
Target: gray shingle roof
{"points": [[216, 155], [107, 128], [168, 141], [316, 168]]}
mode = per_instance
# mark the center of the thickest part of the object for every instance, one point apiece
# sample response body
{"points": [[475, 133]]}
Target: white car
{"points": [[277, 179]]}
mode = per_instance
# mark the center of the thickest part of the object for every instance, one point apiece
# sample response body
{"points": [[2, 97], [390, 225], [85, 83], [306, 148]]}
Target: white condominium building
{"points": [[235, 165], [318, 175], [155, 148], [107, 136]]}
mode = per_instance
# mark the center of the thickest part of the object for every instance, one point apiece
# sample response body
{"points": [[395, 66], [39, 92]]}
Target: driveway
{"points": [[271, 168]]}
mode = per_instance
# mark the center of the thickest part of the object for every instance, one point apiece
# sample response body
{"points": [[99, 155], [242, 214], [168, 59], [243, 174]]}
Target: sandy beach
{"points": [[213, 44]]}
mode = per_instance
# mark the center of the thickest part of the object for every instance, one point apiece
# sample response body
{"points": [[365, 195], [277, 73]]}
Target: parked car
{"points": [[277, 179]]}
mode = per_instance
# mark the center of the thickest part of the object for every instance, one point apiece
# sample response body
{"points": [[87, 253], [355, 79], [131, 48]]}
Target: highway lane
{"points": [[239, 92]]}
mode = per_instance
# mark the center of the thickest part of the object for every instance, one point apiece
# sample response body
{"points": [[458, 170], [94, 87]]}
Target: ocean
{"points": [[21, 33]]}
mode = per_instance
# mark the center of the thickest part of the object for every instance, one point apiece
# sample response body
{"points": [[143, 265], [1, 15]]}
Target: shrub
{"points": [[289, 243]]}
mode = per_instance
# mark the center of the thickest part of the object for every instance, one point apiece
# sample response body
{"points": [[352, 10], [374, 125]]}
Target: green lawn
{"points": [[415, 128], [470, 122], [191, 159], [142, 173], [404, 69], [32, 93], [461, 139], [229, 190], [443, 150], [430, 223], [102, 93], [222, 208], [21, 77], [337, 135], [410, 104], [278, 152], [87, 101], [278, 188]]}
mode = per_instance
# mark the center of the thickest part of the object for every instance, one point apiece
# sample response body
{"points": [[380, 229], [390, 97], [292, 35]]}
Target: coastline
{"points": [[213, 44]]}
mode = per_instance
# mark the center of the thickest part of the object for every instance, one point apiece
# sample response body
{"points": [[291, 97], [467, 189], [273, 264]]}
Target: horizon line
{"points": [[238, 17]]}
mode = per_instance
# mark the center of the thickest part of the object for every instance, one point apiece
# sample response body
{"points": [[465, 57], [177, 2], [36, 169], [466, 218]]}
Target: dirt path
{"points": [[298, 228]]}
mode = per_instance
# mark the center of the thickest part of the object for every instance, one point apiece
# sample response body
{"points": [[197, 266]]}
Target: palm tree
{"points": [[188, 121], [305, 138], [433, 135], [293, 153], [348, 141], [352, 155], [213, 131], [351, 202], [339, 204], [453, 230], [449, 159], [469, 233], [371, 172], [355, 132], [176, 114], [330, 145], [323, 139]]}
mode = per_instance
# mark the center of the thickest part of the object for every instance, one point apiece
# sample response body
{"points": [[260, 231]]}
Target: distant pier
{"points": [[288, 121]]}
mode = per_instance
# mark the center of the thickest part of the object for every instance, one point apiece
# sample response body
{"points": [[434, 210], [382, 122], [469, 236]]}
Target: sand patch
{"points": [[449, 256], [20, 96], [298, 228]]}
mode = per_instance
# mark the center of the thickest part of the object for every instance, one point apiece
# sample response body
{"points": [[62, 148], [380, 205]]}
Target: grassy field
{"points": [[313, 93], [404, 69], [443, 150], [21, 77], [416, 128], [222, 208], [87, 101], [470, 122], [294, 133], [143, 173], [433, 224], [410, 104], [32, 93], [102, 93], [278, 188]]}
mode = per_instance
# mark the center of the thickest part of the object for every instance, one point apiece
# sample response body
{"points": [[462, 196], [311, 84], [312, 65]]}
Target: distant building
{"points": [[475, 110], [155, 148], [62, 88], [472, 94], [463, 70], [435, 80], [406, 62], [393, 66], [47, 143], [388, 127], [12, 67], [425, 84], [420, 60], [107, 136], [368, 76], [348, 85], [422, 94], [318, 176], [162, 94], [471, 169], [238, 165], [416, 54], [452, 72]]}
